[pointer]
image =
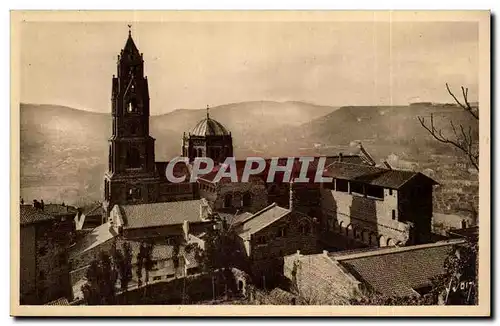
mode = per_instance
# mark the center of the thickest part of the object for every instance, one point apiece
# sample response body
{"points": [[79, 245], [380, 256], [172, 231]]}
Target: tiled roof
{"points": [[58, 209], [59, 302], [96, 237], [209, 127], [398, 271], [93, 210], [235, 219], [159, 214], [30, 214], [261, 219], [372, 175]]}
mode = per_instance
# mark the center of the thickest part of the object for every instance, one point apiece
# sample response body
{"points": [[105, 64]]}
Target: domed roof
{"points": [[209, 127]]}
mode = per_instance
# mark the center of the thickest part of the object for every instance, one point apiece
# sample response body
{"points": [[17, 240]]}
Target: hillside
{"points": [[64, 150], [383, 130]]}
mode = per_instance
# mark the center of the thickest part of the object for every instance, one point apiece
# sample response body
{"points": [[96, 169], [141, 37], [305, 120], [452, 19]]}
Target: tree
{"points": [[221, 250], [101, 279], [463, 138], [457, 285], [144, 260], [122, 259]]}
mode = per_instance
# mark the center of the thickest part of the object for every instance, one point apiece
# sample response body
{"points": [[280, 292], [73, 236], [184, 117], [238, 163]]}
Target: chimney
{"points": [[290, 203], [185, 228], [340, 157], [42, 205], [203, 209]]}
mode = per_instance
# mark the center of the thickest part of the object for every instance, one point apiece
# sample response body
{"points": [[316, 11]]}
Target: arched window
{"points": [[305, 229], [228, 200], [200, 153], [237, 199], [247, 199], [132, 106], [133, 158]]}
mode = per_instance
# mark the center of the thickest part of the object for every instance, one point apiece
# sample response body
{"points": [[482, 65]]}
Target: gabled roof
{"points": [[397, 271], [161, 214], [30, 215], [94, 238], [261, 219], [235, 219], [94, 209], [59, 209], [371, 175]]}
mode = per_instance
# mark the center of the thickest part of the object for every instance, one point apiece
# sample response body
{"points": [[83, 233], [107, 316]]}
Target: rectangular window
{"points": [[342, 185], [357, 188], [330, 185], [390, 192], [393, 214], [374, 191], [156, 278], [170, 275]]}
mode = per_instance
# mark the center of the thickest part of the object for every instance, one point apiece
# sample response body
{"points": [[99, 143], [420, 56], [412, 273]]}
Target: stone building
{"points": [[44, 270], [230, 197], [133, 176], [338, 277], [270, 234], [377, 206], [168, 226], [208, 138]]}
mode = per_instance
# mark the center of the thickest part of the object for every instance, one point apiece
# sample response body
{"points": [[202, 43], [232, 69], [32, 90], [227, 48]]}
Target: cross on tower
{"points": [[129, 29], [208, 114]]}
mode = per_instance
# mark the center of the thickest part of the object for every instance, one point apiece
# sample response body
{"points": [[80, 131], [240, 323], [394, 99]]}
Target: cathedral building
{"points": [[133, 176], [208, 138]]}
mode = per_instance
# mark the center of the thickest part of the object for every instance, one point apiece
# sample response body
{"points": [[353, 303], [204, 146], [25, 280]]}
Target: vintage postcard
{"points": [[250, 163]]}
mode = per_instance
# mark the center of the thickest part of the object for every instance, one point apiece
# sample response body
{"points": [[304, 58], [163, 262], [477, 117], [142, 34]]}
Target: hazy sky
{"points": [[190, 65]]}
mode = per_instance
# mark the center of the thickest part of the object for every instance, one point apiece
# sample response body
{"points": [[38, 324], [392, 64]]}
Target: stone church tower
{"points": [[131, 176]]}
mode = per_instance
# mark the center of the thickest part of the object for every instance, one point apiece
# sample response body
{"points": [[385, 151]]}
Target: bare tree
{"points": [[463, 138]]}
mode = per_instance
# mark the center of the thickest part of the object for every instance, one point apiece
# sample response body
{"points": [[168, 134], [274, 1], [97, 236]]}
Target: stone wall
{"points": [[52, 269], [27, 266], [319, 280], [255, 187], [267, 258], [183, 290], [366, 219]]}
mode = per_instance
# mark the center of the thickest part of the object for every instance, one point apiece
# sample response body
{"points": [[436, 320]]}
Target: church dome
{"points": [[209, 127]]}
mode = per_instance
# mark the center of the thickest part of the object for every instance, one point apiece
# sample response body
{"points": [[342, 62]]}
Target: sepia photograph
{"points": [[250, 163]]}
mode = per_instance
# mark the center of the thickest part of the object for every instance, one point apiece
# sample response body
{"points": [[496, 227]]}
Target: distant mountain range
{"points": [[64, 150]]}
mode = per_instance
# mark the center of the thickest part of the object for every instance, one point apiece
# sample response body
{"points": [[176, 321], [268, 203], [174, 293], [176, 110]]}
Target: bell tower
{"points": [[131, 167]]}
